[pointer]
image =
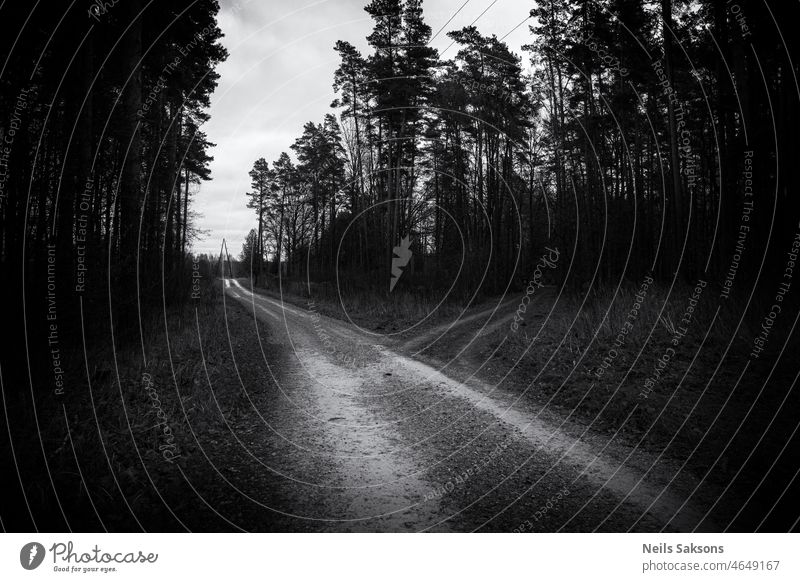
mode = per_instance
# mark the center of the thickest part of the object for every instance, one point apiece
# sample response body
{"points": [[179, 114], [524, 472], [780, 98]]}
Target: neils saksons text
{"points": [[663, 548]]}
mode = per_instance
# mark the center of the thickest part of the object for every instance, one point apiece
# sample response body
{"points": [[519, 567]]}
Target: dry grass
{"points": [[693, 393], [111, 448], [374, 310]]}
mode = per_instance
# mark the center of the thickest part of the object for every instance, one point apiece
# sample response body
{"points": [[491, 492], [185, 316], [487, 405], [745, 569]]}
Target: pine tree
{"points": [[261, 182]]}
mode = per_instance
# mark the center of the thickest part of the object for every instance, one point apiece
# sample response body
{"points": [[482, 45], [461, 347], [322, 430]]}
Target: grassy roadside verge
{"points": [[678, 379], [134, 445]]}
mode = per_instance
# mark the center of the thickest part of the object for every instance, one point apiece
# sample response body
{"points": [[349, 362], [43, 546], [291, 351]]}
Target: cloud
{"points": [[279, 76]]}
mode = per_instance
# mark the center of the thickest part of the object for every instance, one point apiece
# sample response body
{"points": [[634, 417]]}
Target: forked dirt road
{"points": [[380, 441]]}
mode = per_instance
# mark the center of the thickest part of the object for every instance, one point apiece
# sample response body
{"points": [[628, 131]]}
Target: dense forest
{"points": [[631, 145], [635, 137], [102, 155]]}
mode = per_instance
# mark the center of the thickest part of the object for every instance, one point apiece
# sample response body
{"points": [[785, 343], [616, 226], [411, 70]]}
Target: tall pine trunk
{"points": [[130, 186], [677, 187]]}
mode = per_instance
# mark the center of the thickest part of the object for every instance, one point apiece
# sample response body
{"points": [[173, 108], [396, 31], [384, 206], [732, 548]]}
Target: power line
{"points": [[448, 22], [471, 23], [516, 27]]}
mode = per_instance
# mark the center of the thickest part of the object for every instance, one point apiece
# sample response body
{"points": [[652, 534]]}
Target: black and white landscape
{"points": [[445, 266]]}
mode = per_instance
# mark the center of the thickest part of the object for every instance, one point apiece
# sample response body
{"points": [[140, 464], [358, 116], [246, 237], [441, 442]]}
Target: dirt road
{"points": [[366, 437]]}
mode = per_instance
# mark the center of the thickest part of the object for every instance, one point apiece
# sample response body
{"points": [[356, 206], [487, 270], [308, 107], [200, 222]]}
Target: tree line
{"points": [[102, 154], [630, 135]]}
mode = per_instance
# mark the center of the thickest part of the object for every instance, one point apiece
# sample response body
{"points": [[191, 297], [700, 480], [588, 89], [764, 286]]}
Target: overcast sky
{"points": [[279, 75]]}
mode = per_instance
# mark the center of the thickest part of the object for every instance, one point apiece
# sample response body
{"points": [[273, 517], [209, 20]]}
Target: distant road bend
{"points": [[406, 447]]}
